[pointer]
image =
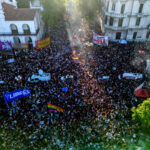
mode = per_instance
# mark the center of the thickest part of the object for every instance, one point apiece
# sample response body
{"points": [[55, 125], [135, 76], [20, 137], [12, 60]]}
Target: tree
{"points": [[142, 113], [23, 3], [53, 11], [89, 8]]}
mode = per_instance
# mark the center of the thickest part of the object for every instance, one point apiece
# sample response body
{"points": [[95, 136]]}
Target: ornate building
{"points": [[126, 19]]}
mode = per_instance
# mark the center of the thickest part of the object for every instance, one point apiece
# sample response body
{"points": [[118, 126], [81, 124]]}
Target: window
{"points": [[141, 8], [138, 20], [14, 29], [26, 29], [148, 35], [118, 35], [120, 22], [17, 40], [134, 35], [106, 20], [28, 40], [113, 7], [122, 8], [111, 21]]}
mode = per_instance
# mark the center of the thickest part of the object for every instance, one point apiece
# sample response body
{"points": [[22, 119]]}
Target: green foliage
{"points": [[23, 3], [142, 113], [53, 11], [89, 8]]}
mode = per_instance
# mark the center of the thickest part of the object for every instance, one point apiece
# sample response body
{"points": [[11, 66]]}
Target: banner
{"points": [[11, 60], [11, 96], [42, 43], [141, 52], [5, 46], [100, 40]]}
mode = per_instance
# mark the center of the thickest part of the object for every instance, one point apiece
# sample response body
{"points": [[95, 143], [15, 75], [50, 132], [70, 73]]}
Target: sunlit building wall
{"points": [[126, 19], [19, 25]]}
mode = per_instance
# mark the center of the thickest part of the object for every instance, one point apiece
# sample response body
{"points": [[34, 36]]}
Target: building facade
{"points": [[19, 25], [126, 19]]}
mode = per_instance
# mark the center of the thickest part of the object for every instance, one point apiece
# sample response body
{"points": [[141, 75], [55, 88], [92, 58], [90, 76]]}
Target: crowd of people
{"points": [[95, 109]]}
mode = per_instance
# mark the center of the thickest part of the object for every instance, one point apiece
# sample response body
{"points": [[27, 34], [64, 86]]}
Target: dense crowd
{"points": [[89, 98]]}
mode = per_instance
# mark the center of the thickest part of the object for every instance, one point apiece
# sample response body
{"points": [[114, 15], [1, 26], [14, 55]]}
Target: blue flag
{"points": [[65, 89], [11, 96]]}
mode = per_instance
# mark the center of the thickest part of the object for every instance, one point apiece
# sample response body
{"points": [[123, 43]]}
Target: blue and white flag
{"points": [[11, 96]]}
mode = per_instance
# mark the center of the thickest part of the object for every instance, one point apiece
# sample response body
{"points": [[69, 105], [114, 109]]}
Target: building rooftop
{"points": [[18, 14]]}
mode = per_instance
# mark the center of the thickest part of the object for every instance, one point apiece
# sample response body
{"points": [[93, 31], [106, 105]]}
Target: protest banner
{"points": [[11, 96], [141, 52], [5, 46], [100, 40], [42, 43], [11, 60]]}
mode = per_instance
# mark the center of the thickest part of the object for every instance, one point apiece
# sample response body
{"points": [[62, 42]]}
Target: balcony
{"points": [[139, 14], [114, 15], [115, 28]]}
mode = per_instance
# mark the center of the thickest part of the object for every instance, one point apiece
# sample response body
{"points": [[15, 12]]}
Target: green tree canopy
{"points": [[53, 11], [142, 113], [89, 8], [23, 3]]}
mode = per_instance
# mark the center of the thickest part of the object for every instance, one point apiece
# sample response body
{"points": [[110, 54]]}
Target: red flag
{"points": [[143, 93]]}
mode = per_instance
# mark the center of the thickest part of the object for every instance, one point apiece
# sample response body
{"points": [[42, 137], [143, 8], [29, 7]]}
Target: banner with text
{"points": [[11, 96], [42, 43], [100, 40], [5, 46]]}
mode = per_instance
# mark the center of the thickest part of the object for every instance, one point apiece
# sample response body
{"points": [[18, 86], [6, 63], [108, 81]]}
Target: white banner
{"points": [[100, 40], [11, 60]]}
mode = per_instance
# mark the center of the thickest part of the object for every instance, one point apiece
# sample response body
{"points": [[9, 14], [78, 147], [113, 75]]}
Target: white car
{"points": [[36, 78]]}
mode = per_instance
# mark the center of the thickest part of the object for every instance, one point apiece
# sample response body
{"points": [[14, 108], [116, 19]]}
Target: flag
{"points": [[18, 78], [142, 93], [54, 108], [65, 89], [75, 58]]}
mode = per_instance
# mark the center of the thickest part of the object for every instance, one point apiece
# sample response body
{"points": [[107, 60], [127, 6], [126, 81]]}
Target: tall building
{"points": [[126, 19], [19, 25]]}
